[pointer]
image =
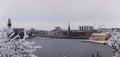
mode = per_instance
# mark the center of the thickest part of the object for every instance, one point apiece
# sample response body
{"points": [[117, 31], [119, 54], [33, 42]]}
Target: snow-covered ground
{"points": [[94, 41]]}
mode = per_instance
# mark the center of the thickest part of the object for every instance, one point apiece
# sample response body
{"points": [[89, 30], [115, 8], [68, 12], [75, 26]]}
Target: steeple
{"points": [[68, 29], [9, 23], [69, 26]]}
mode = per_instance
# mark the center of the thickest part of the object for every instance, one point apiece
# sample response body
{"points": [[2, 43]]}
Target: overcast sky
{"points": [[47, 14]]}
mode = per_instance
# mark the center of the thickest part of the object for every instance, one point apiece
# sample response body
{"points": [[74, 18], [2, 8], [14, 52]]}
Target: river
{"points": [[72, 47]]}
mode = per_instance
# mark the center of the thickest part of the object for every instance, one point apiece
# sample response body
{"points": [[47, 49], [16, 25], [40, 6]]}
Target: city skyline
{"points": [[47, 14]]}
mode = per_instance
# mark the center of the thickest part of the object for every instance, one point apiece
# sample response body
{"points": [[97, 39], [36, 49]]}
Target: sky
{"points": [[47, 14]]}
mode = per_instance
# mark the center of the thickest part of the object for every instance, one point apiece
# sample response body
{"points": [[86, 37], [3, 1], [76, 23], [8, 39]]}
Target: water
{"points": [[75, 48]]}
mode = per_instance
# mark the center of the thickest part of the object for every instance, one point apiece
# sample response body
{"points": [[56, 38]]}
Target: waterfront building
{"points": [[100, 36], [37, 33], [103, 29], [115, 29], [80, 34], [86, 28], [110, 31], [58, 29], [57, 32], [31, 32], [41, 33], [19, 31]]}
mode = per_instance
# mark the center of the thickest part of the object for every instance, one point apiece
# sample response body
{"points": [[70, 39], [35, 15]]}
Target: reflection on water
{"points": [[71, 47]]}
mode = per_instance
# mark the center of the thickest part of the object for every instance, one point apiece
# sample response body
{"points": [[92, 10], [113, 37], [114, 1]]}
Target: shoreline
{"points": [[80, 39], [63, 37], [94, 41]]}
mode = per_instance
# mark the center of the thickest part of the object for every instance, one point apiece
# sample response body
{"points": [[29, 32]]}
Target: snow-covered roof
{"points": [[99, 34]]}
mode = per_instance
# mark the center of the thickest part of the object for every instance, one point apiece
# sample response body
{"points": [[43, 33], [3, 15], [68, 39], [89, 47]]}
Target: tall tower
{"points": [[9, 23], [68, 29]]}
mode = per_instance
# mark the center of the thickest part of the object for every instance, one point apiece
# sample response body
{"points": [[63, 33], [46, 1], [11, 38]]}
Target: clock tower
{"points": [[9, 23]]}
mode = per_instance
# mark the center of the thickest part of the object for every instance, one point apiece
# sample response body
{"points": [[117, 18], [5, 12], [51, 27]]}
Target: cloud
{"points": [[57, 12]]}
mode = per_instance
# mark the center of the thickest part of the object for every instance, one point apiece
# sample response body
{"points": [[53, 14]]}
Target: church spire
{"points": [[69, 29], [9, 23], [69, 26]]}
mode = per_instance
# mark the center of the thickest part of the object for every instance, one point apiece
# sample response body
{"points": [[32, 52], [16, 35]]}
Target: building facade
{"points": [[19, 31], [100, 36], [86, 28]]}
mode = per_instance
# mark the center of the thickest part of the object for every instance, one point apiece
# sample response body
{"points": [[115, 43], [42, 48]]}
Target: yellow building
{"points": [[100, 36]]}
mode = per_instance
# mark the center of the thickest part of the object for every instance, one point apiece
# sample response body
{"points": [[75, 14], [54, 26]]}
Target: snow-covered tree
{"points": [[114, 43], [13, 46]]}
